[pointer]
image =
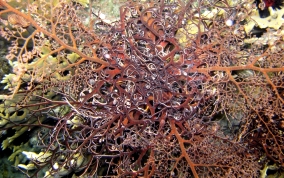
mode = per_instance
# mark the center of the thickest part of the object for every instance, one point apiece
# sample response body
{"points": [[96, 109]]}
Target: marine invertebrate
{"points": [[263, 6], [17, 20], [132, 99]]}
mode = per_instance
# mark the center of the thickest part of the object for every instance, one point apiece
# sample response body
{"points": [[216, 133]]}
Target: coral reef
{"points": [[170, 89]]}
